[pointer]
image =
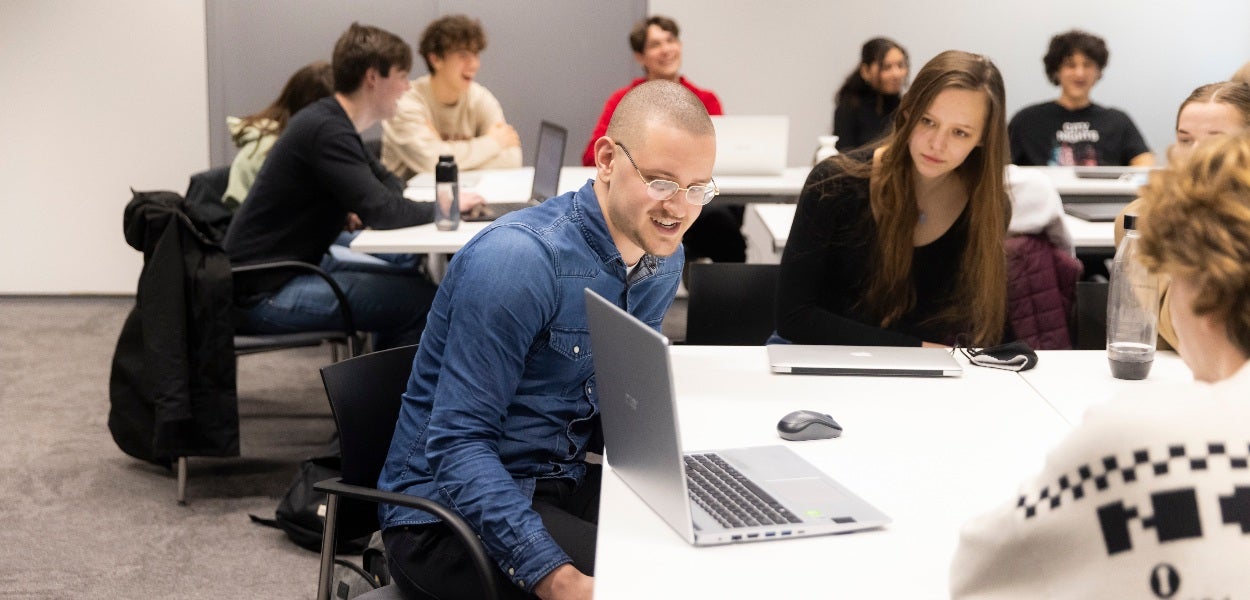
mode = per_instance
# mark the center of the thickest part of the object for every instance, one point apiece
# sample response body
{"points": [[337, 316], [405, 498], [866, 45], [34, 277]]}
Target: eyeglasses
{"points": [[663, 189]]}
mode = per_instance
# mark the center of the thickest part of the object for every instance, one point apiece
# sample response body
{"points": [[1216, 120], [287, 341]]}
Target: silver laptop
{"points": [[1095, 212], [548, 160], [751, 144], [863, 360], [789, 497]]}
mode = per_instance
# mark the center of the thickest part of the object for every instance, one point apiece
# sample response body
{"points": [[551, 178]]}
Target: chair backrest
{"points": [[1091, 315], [203, 199], [731, 304], [364, 394]]}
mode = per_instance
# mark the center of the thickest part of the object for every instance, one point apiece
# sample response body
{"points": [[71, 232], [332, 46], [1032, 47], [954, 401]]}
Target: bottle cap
{"points": [[446, 158], [1130, 222]]}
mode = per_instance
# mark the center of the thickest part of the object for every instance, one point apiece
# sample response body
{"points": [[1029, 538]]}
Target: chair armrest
{"points": [[349, 324], [477, 552]]}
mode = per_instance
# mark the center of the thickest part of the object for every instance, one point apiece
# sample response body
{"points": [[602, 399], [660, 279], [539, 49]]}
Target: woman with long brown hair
{"points": [[255, 134], [902, 245]]}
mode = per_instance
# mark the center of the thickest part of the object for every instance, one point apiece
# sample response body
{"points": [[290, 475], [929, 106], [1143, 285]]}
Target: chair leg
{"points": [[182, 481], [326, 578]]}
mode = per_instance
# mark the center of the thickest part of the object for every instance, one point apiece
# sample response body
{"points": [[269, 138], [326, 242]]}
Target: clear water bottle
{"points": [[1132, 309], [446, 193]]}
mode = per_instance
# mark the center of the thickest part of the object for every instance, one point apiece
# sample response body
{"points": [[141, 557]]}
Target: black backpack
{"points": [[301, 511]]}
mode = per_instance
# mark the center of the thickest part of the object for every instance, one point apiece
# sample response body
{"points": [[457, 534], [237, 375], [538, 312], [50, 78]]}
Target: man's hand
{"points": [[565, 583], [505, 135], [471, 203]]}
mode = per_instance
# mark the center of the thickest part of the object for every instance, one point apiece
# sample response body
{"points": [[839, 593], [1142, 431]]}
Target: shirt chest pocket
{"points": [[571, 344]]}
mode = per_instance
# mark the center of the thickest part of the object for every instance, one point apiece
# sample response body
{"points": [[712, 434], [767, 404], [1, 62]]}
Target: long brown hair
{"points": [[309, 84], [980, 299]]}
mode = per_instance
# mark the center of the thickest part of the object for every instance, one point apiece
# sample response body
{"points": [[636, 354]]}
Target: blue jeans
{"points": [[392, 303]]}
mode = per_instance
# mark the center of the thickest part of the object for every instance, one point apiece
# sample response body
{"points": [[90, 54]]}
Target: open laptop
{"points": [[751, 144], [1095, 212], [863, 360], [640, 429], [1137, 175], [548, 160]]}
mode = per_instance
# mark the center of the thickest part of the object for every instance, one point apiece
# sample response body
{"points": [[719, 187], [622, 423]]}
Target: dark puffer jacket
{"points": [[1041, 291]]}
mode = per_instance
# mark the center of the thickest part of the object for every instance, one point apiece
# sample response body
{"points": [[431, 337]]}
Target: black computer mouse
{"points": [[808, 425]]}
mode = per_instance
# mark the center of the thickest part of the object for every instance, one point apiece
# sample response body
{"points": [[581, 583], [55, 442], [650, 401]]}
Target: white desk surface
{"points": [[1071, 381], [514, 185], [931, 453], [1068, 183], [777, 218]]}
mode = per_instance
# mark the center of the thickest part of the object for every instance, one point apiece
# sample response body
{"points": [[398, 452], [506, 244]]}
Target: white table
{"points": [[1069, 184], [513, 185], [931, 453], [766, 228], [1071, 381]]}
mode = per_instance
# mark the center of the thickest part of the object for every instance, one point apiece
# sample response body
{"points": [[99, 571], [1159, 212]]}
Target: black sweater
{"points": [[317, 172], [856, 121], [827, 262]]}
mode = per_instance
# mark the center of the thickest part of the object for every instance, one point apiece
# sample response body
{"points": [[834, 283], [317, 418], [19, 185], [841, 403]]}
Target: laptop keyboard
{"points": [[732, 499]]}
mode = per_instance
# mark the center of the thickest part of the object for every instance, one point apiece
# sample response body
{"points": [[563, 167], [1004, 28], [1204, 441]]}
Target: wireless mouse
{"points": [[808, 425]]}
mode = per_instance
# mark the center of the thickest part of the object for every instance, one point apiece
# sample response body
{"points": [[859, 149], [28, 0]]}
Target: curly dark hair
{"points": [[1066, 44], [449, 34]]}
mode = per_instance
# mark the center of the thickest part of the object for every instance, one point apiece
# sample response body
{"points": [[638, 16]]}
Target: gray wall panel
{"points": [[547, 59]]}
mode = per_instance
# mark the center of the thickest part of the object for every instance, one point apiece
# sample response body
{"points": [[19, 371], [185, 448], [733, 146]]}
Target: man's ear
{"points": [[436, 62], [605, 157], [638, 58]]}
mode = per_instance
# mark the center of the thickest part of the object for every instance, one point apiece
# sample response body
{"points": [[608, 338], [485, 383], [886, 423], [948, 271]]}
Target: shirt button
{"points": [[511, 571], [520, 582], [577, 349]]}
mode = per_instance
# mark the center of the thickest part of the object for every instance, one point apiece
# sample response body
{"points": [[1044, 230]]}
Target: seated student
{"points": [[1211, 110], [902, 245], [255, 134], [501, 406], [657, 49], [1147, 497], [1073, 130], [447, 112], [865, 104], [318, 173]]}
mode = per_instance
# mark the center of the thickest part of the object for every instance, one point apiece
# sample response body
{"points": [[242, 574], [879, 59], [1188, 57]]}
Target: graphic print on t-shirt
{"points": [[1075, 145]]}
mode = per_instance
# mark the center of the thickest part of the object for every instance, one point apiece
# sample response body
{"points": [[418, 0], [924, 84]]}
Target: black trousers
{"points": [[428, 561]]}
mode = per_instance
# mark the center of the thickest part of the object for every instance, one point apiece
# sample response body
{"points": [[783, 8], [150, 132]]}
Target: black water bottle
{"points": [[446, 193]]}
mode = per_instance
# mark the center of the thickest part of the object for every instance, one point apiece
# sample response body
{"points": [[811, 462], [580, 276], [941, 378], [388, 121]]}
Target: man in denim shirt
{"points": [[502, 405]]}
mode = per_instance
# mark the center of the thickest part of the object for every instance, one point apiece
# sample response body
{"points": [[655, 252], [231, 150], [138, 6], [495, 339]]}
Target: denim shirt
{"points": [[502, 389]]}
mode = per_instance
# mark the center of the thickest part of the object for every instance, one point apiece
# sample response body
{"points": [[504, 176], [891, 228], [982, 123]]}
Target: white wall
{"points": [[102, 96], [789, 56], [97, 97]]}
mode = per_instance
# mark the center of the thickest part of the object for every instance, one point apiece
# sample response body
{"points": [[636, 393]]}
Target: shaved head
{"points": [[658, 102]]}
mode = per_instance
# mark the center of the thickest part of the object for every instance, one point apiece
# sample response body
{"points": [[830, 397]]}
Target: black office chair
{"points": [[364, 394], [203, 203], [1090, 330], [731, 304]]}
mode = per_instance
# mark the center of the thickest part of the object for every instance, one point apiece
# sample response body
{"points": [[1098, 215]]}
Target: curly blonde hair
{"points": [[1196, 225]]}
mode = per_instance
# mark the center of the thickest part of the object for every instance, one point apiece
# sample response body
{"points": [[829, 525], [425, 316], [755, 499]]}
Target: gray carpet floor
{"points": [[80, 519]]}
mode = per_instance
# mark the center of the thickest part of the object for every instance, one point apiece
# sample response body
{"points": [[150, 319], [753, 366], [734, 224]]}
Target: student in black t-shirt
{"points": [[1072, 130], [867, 99]]}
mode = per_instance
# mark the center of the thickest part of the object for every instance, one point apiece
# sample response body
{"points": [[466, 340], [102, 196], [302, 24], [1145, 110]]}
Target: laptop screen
{"points": [[548, 160]]}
